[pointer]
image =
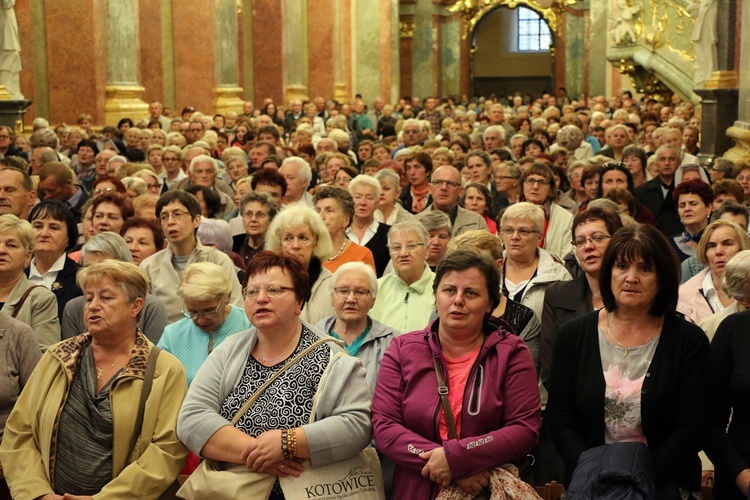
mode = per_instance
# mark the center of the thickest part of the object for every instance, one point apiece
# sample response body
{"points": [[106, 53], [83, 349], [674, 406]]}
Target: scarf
{"points": [[419, 196]]}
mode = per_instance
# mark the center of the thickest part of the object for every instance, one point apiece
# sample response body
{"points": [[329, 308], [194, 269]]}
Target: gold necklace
{"points": [[627, 349], [100, 371], [263, 359], [341, 250]]}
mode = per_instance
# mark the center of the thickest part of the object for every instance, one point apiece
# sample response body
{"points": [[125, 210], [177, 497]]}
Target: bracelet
{"points": [[285, 443], [292, 436]]}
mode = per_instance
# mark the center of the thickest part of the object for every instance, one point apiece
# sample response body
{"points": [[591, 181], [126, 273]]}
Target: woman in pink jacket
{"points": [[490, 380]]}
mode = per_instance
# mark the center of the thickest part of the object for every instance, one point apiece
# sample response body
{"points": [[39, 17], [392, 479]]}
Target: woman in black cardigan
{"points": [[729, 448], [634, 371]]}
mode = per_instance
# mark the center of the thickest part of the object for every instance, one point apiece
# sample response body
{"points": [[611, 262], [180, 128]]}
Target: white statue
{"points": [[10, 60], [704, 38], [623, 31]]}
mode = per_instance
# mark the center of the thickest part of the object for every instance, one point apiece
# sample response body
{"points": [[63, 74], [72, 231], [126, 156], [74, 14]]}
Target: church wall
{"points": [[321, 47]]}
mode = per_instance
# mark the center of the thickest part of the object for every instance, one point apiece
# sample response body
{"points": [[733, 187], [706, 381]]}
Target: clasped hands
{"points": [[263, 454], [438, 471]]}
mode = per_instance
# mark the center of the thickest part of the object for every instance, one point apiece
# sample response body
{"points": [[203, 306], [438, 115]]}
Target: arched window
{"points": [[533, 32]]}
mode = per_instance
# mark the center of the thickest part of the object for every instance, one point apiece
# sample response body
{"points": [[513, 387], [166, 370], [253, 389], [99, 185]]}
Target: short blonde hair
{"points": [[480, 240], [136, 184], [22, 228], [525, 210], [742, 239], [297, 215], [126, 275], [204, 281]]}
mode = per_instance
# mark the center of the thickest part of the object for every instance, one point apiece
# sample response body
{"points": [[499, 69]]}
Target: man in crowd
{"points": [[445, 189]]}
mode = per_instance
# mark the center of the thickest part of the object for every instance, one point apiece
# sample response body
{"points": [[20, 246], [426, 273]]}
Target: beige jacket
{"points": [[39, 311]]}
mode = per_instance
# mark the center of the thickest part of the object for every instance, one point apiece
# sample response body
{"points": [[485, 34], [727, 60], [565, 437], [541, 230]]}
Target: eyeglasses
{"points": [[153, 186], [176, 215], [410, 247], [288, 240], [597, 239], [542, 182], [452, 184], [97, 192], [522, 232], [255, 215], [273, 291], [359, 293], [210, 314], [504, 177]]}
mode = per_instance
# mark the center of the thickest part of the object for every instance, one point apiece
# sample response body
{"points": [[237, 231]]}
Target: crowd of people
{"points": [[461, 283]]}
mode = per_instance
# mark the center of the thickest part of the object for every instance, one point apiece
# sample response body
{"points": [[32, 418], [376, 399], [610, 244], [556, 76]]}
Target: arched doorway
{"points": [[511, 51]]}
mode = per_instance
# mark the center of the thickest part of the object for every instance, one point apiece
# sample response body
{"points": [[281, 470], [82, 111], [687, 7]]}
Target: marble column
{"points": [[340, 91], [423, 56], [367, 46], [228, 90], [294, 20], [450, 55], [123, 89], [740, 131], [599, 17]]}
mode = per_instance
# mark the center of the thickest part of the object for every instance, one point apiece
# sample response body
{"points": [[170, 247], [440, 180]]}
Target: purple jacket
{"points": [[501, 409]]}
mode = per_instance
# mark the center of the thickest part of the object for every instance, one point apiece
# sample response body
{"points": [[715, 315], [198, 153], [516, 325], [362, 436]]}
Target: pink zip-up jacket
{"points": [[501, 412]]}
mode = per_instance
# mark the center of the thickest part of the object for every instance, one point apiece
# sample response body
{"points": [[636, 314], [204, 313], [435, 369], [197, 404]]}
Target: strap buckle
{"points": [[443, 390]]}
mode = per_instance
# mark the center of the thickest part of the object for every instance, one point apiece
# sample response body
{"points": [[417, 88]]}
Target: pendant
{"points": [[625, 353]]}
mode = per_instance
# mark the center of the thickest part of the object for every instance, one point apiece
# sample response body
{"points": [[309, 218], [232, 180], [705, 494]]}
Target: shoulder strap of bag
{"points": [[443, 393], [19, 304], [148, 380], [251, 400]]}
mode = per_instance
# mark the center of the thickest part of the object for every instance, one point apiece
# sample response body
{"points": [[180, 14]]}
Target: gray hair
{"points": [[360, 267], [39, 123], [203, 159], [305, 172], [525, 210], [215, 232], [494, 128], [432, 220], [109, 244], [410, 225], [736, 275], [366, 180], [388, 174]]}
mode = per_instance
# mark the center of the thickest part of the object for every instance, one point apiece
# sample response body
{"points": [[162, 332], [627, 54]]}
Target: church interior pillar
{"points": [[423, 58], [294, 37], [124, 92], [739, 132], [228, 90], [367, 56]]}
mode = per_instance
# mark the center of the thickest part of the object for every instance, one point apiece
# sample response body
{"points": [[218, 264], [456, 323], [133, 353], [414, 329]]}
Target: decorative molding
{"points": [[406, 29], [472, 11], [645, 82]]}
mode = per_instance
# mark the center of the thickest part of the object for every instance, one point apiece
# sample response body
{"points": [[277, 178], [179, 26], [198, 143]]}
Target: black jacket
{"points": [[378, 245], [65, 287], [673, 397], [667, 220]]}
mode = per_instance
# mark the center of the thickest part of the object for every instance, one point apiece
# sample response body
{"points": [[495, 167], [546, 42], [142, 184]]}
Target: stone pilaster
{"points": [[740, 131], [123, 89], [294, 19], [228, 90], [340, 92]]}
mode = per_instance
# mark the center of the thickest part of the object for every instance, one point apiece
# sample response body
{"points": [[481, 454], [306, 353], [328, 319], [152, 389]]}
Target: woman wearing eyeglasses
{"points": [[209, 320], [405, 301], [566, 300], [275, 434], [539, 188], [299, 232]]}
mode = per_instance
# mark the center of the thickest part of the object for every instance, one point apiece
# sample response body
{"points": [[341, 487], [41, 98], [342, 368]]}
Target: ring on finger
{"points": [[282, 466]]}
